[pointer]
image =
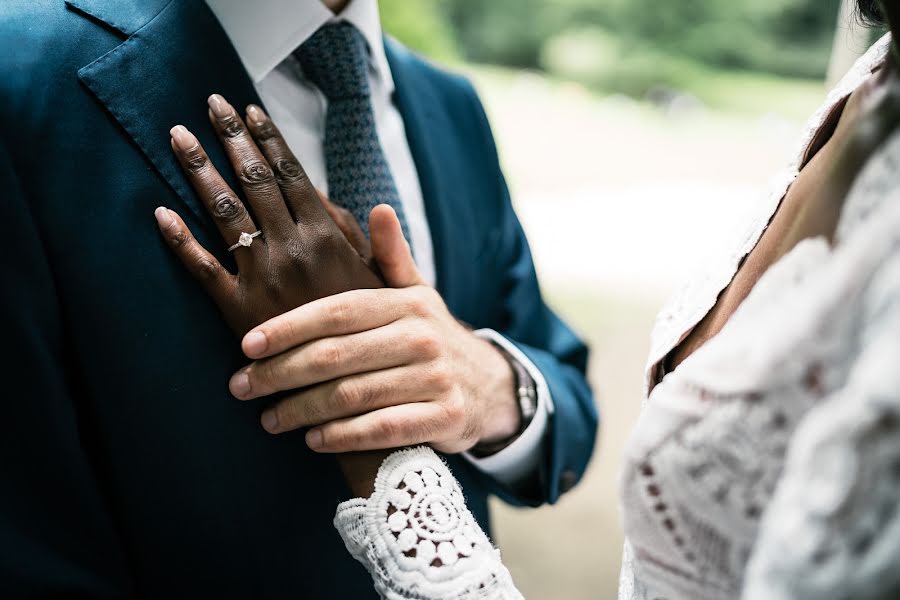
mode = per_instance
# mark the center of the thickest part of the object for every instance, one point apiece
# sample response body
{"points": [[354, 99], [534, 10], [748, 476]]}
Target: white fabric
{"points": [[777, 442], [417, 538], [265, 33]]}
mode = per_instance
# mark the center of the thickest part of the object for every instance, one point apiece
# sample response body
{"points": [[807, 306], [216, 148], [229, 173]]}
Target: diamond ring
{"points": [[245, 240]]}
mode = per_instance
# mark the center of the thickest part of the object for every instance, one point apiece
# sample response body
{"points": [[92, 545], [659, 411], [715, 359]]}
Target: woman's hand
{"points": [[309, 249], [303, 253]]}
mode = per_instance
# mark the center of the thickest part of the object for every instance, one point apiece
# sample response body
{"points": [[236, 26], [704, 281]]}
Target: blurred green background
{"points": [[635, 135], [628, 46]]}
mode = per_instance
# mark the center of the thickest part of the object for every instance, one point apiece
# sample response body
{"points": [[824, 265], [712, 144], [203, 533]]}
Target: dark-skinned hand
{"points": [[304, 254]]}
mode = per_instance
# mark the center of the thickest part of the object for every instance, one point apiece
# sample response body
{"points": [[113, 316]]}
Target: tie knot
{"points": [[335, 58]]}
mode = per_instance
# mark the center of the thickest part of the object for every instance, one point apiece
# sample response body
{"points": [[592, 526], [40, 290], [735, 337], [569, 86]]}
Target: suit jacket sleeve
{"points": [[56, 538], [548, 342]]}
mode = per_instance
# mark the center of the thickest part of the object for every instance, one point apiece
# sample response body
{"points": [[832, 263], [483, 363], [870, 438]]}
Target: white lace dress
{"points": [[417, 538], [767, 465]]}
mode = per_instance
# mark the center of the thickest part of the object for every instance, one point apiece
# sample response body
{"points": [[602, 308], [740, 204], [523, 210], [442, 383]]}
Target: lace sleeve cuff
{"points": [[417, 538]]}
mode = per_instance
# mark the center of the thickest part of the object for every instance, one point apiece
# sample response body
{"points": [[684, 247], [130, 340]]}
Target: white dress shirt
{"points": [[265, 34]]}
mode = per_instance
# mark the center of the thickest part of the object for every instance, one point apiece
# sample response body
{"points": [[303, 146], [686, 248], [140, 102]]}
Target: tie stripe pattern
{"points": [[335, 59]]}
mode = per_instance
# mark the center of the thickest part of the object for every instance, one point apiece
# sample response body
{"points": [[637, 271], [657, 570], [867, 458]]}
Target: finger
{"points": [[391, 250], [330, 358], [349, 226], [392, 427], [256, 176], [228, 212], [299, 193], [349, 397], [215, 279], [341, 314]]}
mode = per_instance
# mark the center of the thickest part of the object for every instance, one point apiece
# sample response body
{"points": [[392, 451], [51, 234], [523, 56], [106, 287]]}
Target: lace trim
{"points": [[417, 538]]}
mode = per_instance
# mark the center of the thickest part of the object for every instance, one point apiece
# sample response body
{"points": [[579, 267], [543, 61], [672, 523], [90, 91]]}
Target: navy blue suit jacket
{"points": [[127, 469]]}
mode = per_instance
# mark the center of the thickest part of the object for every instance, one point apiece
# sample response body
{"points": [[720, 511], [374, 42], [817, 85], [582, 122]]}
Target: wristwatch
{"points": [[525, 389]]}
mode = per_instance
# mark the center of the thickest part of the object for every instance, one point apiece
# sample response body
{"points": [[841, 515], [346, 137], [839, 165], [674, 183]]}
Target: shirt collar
{"points": [[265, 32]]}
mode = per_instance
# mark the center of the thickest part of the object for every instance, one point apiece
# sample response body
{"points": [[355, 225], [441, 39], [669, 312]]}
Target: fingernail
{"points": [[163, 218], [314, 439], [256, 114], [270, 421], [219, 106], [255, 343], [240, 384], [184, 139]]}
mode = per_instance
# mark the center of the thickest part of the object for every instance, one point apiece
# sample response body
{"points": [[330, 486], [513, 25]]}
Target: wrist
{"points": [[502, 418]]}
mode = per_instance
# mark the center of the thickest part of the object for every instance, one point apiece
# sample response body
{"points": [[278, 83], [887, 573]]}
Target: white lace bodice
{"points": [[417, 538], [767, 465]]}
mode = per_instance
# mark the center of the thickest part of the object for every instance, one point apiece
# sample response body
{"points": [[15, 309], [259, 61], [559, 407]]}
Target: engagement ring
{"points": [[245, 240]]}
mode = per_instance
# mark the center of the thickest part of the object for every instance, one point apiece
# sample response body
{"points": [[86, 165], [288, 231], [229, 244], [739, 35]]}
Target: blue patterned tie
{"points": [[336, 58]]}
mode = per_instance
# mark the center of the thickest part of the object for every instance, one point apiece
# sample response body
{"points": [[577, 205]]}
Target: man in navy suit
{"points": [[127, 466]]}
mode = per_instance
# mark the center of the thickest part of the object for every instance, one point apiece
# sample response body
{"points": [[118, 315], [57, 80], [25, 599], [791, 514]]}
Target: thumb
{"points": [[391, 250]]}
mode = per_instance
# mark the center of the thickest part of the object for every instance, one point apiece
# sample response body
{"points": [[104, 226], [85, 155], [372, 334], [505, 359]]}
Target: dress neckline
{"points": [[852, 80]]}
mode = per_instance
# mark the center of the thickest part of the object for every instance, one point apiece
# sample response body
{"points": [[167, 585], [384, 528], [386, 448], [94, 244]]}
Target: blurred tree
{"points": [[423, 25], [651, 39], [508, 33], [787, 37]]}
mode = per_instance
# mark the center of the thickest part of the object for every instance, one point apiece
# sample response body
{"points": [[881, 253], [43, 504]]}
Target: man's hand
{"points": [[380, 368]]}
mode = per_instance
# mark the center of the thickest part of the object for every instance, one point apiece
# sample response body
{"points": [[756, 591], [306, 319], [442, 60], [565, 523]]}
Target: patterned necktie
{"points": [[336, 59]]}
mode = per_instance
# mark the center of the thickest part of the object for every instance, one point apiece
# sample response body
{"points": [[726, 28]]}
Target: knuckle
{"points": [[295, 253], [319, 238], [256, 172], [288, 170], [426, 345], [339, 314], [179, 238], [418, 306], [347, 393], [439, 378], [415, 431], [231, 126], [390, 431], [206, 269], [195, 159], [336, 437], [314, 412], [266, 131], [454, 410], [285, 332], [288, 414], [431, 296], [227, 207], [263, 375], [328, 356]]}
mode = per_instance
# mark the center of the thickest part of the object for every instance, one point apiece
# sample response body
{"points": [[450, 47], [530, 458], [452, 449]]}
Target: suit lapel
{"points": [[161, 76], [415, 101], [176, 54]]}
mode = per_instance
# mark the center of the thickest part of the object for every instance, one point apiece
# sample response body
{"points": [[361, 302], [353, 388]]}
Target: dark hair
{"points": [[869, 12]]}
